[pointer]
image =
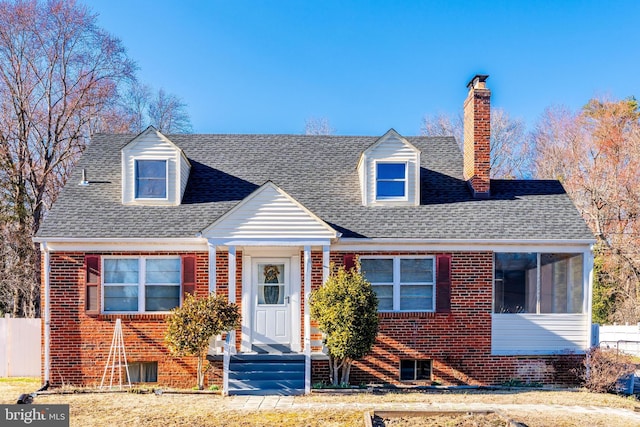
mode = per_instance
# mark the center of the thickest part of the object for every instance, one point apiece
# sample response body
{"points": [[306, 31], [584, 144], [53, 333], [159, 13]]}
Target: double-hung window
{"points": [[402, 283], [151, 179], [141, 284], [391, 181]]}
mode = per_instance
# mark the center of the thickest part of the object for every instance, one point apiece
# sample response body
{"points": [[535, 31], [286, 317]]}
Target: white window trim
{"points": [[396, 281], [142, 264], [585, 280], [166, 178], [384, 199]]}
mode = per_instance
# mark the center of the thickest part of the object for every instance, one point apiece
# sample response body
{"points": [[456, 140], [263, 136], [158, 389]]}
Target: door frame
{"points": [[249, 295]]}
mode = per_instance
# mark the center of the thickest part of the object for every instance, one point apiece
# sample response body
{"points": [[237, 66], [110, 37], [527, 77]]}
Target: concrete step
{"points": [[271, 384], [267, 392], [266, 367], [266, 358], [265, 375]]}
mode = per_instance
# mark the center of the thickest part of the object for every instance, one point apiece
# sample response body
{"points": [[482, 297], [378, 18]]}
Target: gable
{"points": [[390, 150], [151, 145], [269, 214]]}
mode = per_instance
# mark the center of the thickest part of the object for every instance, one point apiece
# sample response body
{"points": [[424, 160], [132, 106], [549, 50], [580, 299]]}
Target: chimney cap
{"points": [[478, 78]]}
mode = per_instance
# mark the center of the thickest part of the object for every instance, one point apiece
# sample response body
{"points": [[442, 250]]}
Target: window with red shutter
{"points": [[443, 284], [188, 275], [92, 283], [401, 282], [349, 261]]}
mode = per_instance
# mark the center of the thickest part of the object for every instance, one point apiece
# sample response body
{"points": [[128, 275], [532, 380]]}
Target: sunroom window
{"points": [[141, 284], [391, 181], [538, 283], [401, 283], [151, 179]]}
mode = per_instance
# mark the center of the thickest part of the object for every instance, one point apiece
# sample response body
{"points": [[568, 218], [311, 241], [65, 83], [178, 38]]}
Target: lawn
{"points": [[130, 409]]}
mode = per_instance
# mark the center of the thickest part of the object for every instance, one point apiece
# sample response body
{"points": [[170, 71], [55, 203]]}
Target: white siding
{"points": [[534, 334], [391, 148], [361, 178], [269, 214], [185, 169], [150, 146]]}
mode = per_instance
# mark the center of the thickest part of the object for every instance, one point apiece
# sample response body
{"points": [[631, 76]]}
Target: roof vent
{"points": [[84, 178]]}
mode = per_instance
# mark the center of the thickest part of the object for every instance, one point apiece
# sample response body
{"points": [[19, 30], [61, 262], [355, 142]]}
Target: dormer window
{"points": [[391, 181], [389, 172], [155, 171], [151, 179]]}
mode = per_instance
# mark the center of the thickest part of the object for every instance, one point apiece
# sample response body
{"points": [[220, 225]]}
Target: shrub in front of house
{"points": [[346, 309]]}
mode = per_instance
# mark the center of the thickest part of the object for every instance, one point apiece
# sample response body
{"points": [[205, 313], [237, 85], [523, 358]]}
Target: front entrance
{"points": [[271, 283]]}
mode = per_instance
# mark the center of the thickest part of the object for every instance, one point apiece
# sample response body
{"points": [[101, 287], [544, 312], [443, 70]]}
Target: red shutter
{"points": [[188, 275], [349, 261], [443, 283], [92, 283]]}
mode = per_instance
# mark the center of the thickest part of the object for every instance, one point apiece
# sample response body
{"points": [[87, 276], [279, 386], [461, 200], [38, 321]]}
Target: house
{"points": [[479, 280]]}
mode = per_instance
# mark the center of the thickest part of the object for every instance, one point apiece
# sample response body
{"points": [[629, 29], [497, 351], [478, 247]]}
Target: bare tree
{"points": [[168, 113], [318, 126], [136, 104], [443, 125], [509, 140], [59, 72], [596, 154]]}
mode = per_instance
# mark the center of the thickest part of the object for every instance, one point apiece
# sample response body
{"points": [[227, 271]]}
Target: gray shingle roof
{"points": [[319, 172]]}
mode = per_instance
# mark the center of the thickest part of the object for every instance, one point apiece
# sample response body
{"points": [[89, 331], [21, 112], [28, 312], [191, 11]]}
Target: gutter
{"points": [[119, 240], [379, 240], [47, 311]]}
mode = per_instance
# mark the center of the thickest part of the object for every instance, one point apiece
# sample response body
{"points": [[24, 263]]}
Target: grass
{"points": [[130, 409], [525, 396]]}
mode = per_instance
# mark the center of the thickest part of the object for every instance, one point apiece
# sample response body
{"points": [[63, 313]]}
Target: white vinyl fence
{"points": [[20, 347], [624, 338]]}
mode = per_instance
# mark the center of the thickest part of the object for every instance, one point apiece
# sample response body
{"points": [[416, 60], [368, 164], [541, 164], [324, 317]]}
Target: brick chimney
{"points": [[477, 135]]}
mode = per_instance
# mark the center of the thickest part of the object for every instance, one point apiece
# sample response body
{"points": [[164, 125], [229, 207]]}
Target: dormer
{"points": [[389, 172], [154, 170]]}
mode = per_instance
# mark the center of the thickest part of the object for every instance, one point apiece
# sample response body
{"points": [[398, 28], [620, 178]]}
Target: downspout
{"points": [[307, 320], [47, 311]]}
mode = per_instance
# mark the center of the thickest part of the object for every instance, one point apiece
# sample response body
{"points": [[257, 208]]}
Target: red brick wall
{"points": [[80, 343], [458, 343], [316, 282]]}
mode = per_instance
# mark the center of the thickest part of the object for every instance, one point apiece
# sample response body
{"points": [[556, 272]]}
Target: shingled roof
{"points": [[320, 173]]}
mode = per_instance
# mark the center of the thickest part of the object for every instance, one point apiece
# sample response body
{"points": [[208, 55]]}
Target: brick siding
{"points": [[458, 343]]}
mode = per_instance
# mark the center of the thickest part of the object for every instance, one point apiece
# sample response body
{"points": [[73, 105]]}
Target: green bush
{"points": [[192, 325], [346, 309]]}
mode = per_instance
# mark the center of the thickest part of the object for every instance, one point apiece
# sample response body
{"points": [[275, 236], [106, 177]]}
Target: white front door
{"points": [[271, 284]]}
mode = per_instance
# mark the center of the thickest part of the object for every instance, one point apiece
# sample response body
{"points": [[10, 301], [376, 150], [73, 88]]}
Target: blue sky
{"points": [[367, 66]]}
